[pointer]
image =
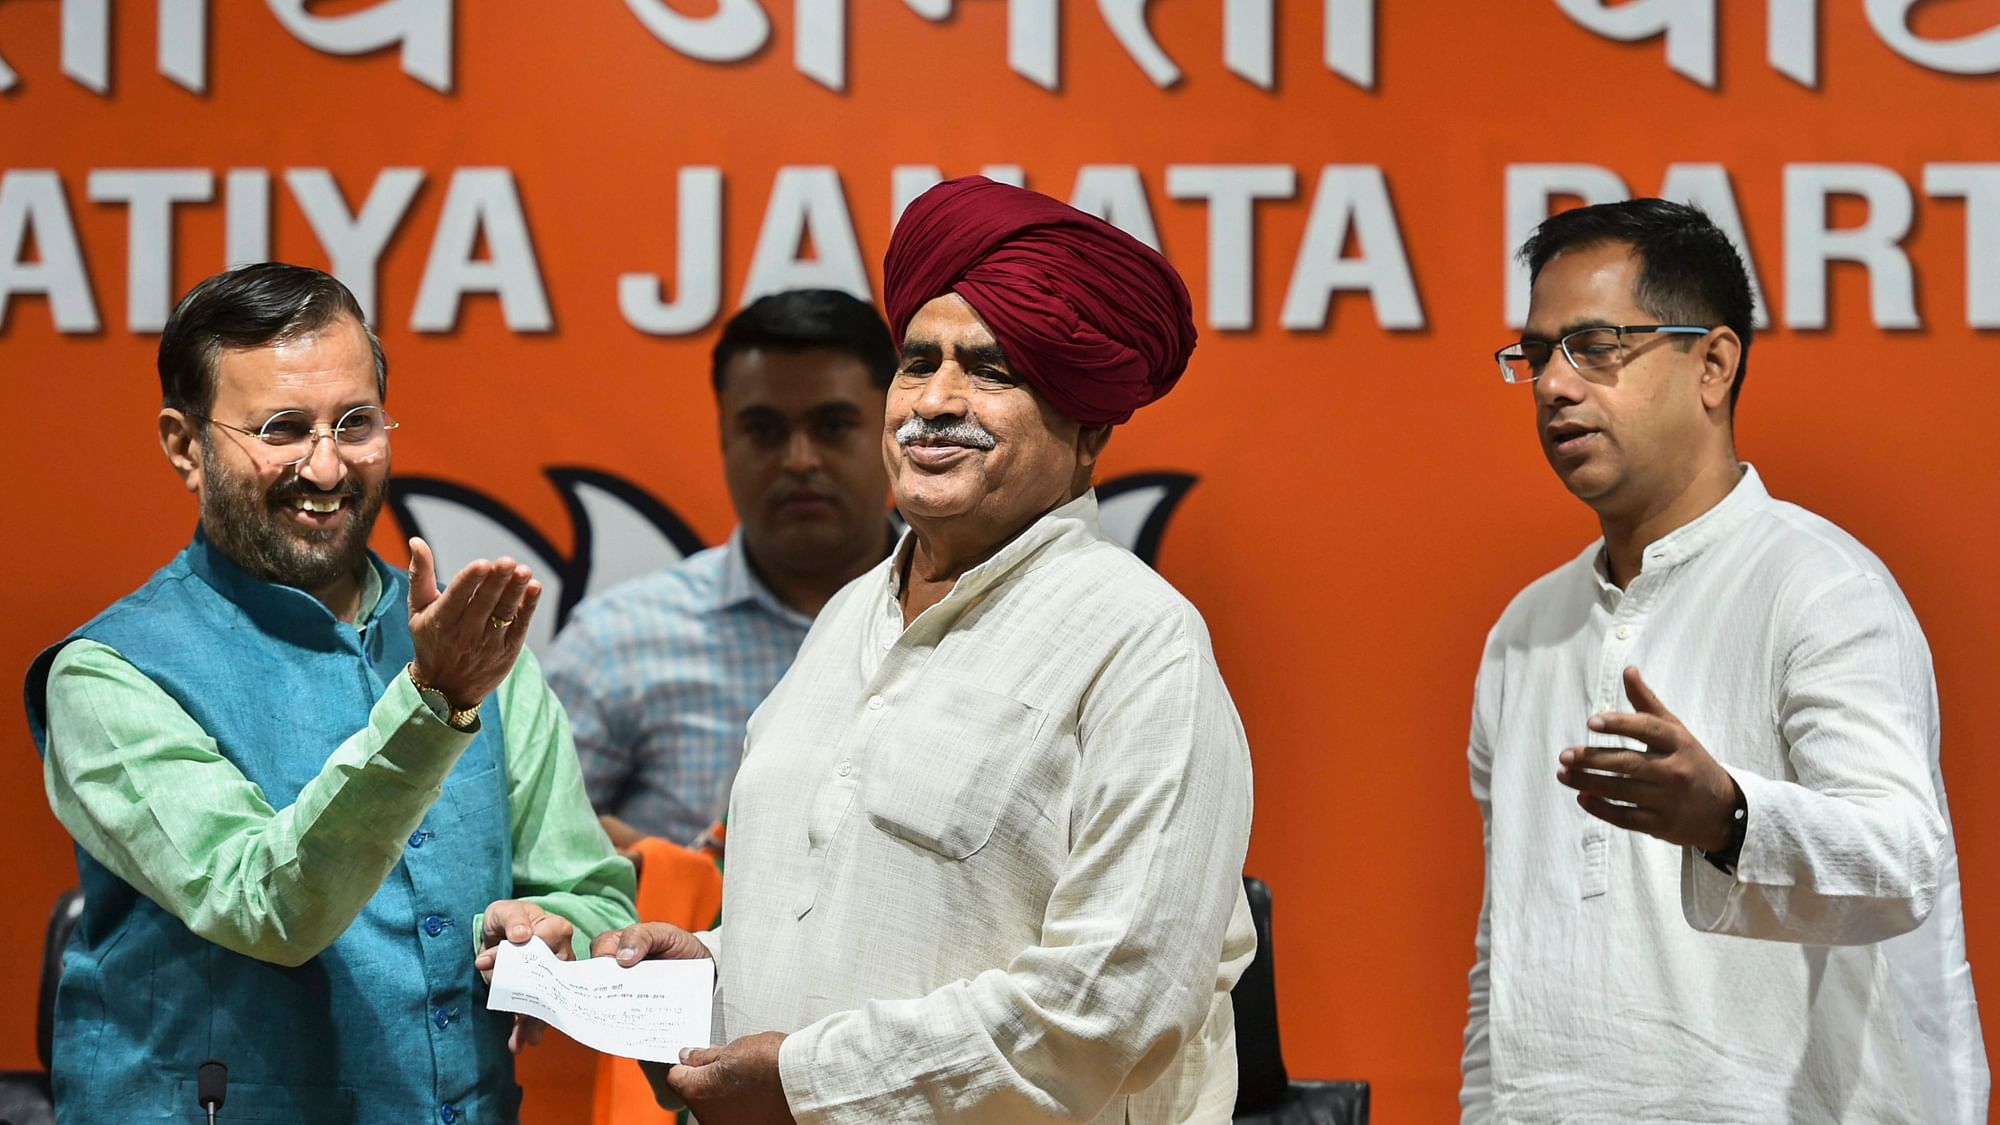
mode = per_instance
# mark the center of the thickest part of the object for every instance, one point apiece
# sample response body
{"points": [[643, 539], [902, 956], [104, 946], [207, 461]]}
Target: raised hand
{"points": [[1674, 789], [468, 636]]}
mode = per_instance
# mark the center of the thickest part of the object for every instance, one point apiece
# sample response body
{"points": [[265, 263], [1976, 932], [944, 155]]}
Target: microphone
{"points": [[211, 1081]]}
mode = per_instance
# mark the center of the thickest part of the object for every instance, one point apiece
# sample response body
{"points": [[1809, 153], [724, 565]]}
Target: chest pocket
{"points": [[477, 782], [945, 765]]}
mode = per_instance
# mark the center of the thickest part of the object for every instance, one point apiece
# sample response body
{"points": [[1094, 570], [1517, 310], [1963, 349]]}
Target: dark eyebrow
{"points": [[1572, 326], [973, 355], [921, 349], [759, 414], [343, 412]]}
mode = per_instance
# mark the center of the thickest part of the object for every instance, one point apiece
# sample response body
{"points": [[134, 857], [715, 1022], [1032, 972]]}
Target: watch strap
{"points": [[1739, 821], [457, 718]]}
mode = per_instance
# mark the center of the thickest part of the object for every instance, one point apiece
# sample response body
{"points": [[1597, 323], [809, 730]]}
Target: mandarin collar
{"points": [[1060, 531], [1691, 539]]}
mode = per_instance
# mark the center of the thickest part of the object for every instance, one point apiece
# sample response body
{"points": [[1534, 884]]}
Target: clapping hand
{"points": [[468, 636]]}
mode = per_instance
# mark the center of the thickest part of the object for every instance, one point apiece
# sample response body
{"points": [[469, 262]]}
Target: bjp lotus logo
{"points": [[622, 531]]}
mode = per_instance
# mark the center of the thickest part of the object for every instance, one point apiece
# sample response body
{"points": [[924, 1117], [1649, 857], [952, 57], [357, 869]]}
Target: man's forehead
{"points": [[334, 359], [959, 333], [795, 380], [967, 338], [947, 316], [1585, 287], [340, 330], [789, 362]]}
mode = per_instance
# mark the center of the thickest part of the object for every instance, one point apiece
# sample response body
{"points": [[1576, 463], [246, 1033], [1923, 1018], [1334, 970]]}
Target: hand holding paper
{"points": [[647, 1011]]}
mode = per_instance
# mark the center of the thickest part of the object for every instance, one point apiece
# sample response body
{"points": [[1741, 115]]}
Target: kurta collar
{"points": [[1697, 535], [1060, 531]]}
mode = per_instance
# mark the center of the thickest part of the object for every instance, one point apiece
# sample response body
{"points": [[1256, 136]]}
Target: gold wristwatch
{"points": [[457, 718]]}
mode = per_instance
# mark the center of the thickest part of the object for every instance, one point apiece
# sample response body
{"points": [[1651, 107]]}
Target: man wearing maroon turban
{"points": [[1096, 320], [987, 840]]}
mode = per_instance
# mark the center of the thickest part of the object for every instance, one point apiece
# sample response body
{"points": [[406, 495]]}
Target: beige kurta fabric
{"points": [[1623, 979], [988, 868]]}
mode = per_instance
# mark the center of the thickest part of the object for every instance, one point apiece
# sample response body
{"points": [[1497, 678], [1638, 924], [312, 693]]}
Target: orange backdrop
{"points": [[1368, 494]]}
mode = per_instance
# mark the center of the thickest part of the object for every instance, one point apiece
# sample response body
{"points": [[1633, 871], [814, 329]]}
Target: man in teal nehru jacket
{"points": [[304, 788]]}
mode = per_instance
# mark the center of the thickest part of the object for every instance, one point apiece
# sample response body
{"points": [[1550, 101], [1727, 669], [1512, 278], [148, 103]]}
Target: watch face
{"points": [[435, 700], [441, 707]]}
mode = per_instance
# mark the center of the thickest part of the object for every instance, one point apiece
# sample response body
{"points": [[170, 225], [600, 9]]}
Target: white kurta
{"points": [[1621, 978], [988, 868]]}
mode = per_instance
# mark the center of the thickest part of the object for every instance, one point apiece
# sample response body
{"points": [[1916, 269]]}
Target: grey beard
{"points": [[239, 520], [959, 431]]}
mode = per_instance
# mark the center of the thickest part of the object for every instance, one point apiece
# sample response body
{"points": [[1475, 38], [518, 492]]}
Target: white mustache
{"points": [[959, 431]]}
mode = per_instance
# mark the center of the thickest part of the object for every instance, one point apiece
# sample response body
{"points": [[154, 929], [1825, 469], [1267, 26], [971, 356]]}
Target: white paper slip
{"points": [[649, 1011]]}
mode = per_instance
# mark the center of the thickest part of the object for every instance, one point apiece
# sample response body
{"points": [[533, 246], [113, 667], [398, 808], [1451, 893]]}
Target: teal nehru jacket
{"points": [[377, 1016]]}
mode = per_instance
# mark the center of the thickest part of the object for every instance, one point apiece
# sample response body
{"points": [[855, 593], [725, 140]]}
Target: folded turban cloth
{"points": [[1096, 320]]}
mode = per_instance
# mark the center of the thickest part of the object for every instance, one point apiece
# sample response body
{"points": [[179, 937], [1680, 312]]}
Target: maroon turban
{"points": [[1098, 321]]}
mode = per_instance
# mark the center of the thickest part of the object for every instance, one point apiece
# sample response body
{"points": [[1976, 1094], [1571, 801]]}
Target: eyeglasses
{"points": [[361, 435], [1586, 349]]}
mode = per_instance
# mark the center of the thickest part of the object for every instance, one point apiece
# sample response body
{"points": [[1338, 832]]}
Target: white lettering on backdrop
{"points": [[1352, 242], [1249, 36]]}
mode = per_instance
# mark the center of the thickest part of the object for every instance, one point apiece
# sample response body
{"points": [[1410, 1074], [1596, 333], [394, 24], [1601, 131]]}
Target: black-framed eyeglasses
{"points": [[1523, 361], [360, 436]]}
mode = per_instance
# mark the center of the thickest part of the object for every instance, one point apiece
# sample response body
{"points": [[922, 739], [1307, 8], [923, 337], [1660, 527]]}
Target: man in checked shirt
{"points": [[660, 674]]}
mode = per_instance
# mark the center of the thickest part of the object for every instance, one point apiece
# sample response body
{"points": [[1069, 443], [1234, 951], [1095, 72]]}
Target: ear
{"points": [[1720, 353], [1090, 443], [179, 440]]}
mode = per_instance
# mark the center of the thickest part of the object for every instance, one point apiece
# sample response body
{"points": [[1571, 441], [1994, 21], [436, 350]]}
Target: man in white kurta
{"points": [[986, 845], [979, 867], [1748, 909], [1614, 982]]}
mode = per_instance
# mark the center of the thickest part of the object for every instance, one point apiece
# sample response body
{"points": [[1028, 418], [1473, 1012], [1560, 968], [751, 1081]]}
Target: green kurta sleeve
{"points": [[145, 791], [563, 861]]}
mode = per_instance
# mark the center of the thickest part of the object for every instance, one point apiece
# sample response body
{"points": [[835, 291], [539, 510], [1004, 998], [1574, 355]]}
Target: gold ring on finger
{"points": [[498, 622]]}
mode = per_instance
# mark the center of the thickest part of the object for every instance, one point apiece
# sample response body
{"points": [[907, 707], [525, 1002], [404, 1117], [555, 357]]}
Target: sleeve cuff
{"points": [[415, 743], [1708, 893], [795, 1071], [711, 940]]}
